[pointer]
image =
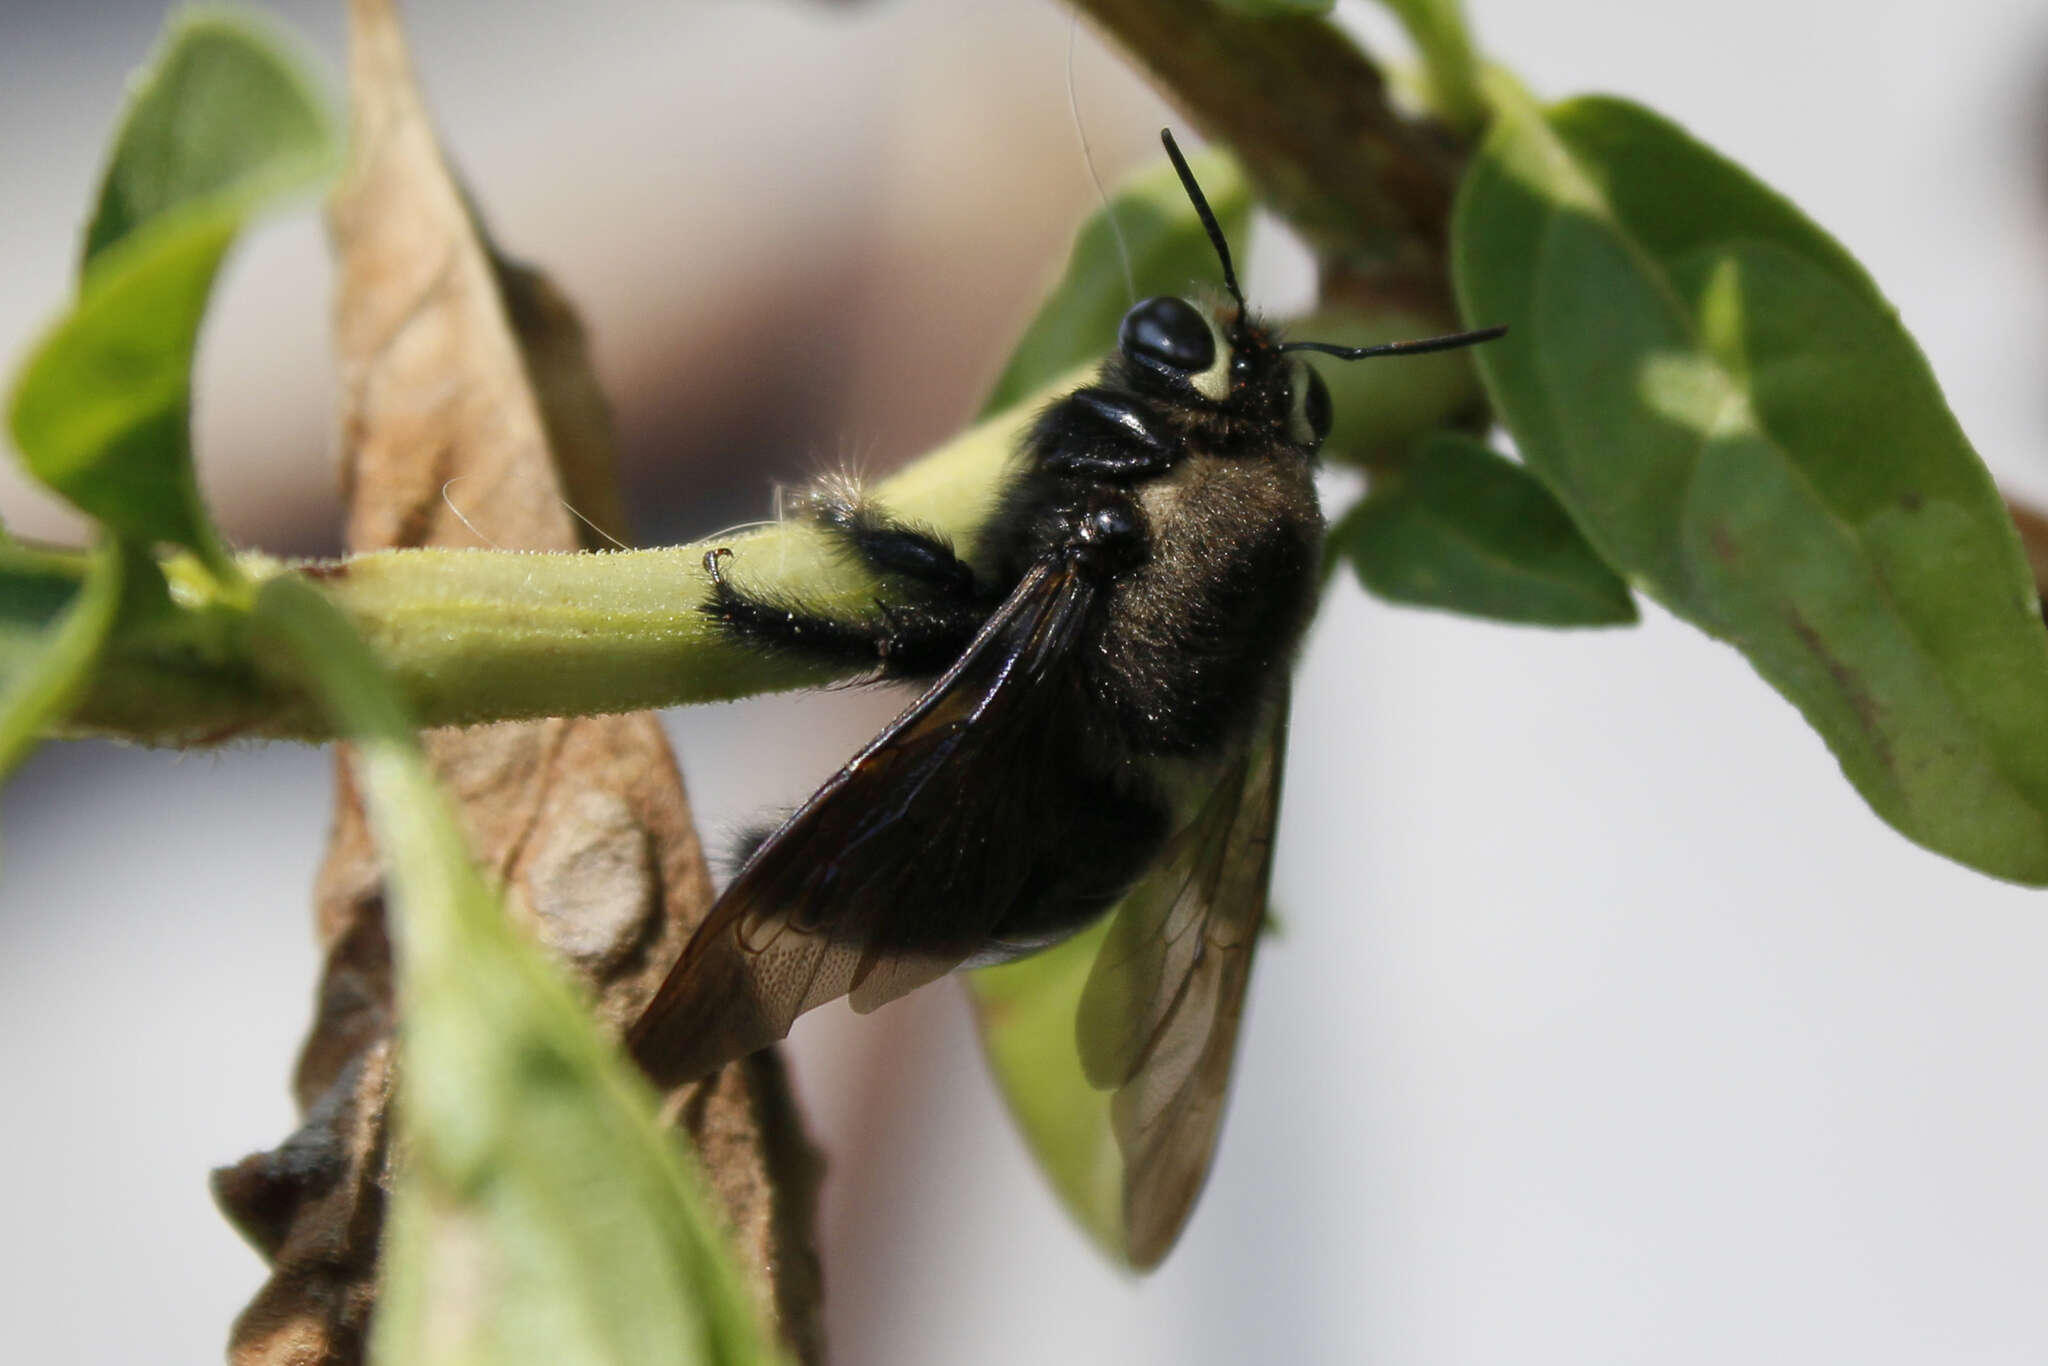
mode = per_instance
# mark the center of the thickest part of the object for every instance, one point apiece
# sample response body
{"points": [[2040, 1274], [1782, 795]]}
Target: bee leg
{"points": [[889, 546], [908, 641], [1103, 435]]}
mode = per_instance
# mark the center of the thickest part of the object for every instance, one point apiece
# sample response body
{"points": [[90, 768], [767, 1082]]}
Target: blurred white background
{"points": [[1608, 1025]]}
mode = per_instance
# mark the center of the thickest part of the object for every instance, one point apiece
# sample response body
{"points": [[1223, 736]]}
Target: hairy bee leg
{"points": [[785, 623], [901, 641], [888, 545]]}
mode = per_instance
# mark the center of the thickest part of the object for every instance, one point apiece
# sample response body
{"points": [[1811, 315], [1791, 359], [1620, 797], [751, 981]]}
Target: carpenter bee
{"points": [[1102, 729]]}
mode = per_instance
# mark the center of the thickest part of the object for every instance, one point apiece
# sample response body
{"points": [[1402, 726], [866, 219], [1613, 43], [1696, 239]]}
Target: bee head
{"points": [[1225, 357], [1228, 358]]}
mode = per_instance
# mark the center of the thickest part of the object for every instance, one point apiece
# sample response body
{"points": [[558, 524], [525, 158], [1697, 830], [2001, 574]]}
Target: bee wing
{"points": [[841, 899], [1159, 1015]]}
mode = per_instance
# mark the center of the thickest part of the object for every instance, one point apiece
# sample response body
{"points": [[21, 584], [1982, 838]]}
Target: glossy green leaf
{"points": [[1735, 417], [1464, 529], [52, 628], [541, 1212], [1169, 254], [1027, 1010], [220, 124]]}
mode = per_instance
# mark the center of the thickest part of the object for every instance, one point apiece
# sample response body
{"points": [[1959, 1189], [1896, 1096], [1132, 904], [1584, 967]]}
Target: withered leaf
{"points": [[467, 376]]}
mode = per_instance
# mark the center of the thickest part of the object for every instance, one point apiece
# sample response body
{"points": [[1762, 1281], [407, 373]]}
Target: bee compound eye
{"points": [[1168, 334], [1315, 403]]}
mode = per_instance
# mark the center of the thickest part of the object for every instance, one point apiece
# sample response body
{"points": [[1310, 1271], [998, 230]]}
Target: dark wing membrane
{"points": [[896, 870], [1159, 1016]]}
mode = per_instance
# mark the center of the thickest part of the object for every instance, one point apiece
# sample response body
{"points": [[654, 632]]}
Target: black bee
{"points": [[1102, 728]]}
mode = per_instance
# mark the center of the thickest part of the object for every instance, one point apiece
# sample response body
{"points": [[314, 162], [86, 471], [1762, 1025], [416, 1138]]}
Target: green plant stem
{"points": [[1439, 32], [467, 636], [471, 636]]}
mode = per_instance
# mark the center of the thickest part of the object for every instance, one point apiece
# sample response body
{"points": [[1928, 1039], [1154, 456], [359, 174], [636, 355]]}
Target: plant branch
{"points": [[1308, 114], [473, 636]]}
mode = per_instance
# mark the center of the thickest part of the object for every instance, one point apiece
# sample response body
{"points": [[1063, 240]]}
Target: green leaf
{"points": [[52, 629], [101, 414], [221, 123], [1027, 1011], [1467, 530], [223, 112], [1735, 417], [37, 588], [541, 1212], [1169, 254]]}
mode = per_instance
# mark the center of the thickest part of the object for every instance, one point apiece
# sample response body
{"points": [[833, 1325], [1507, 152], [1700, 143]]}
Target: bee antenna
{"points": [[1207, 215], [1450, 342]]}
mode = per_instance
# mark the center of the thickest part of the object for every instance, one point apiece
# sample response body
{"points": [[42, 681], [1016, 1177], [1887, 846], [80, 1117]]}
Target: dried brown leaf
{"points": [[466, 384]]}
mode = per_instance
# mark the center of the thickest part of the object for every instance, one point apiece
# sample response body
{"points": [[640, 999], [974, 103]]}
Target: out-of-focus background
{"points": [[1607, 1024]]}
